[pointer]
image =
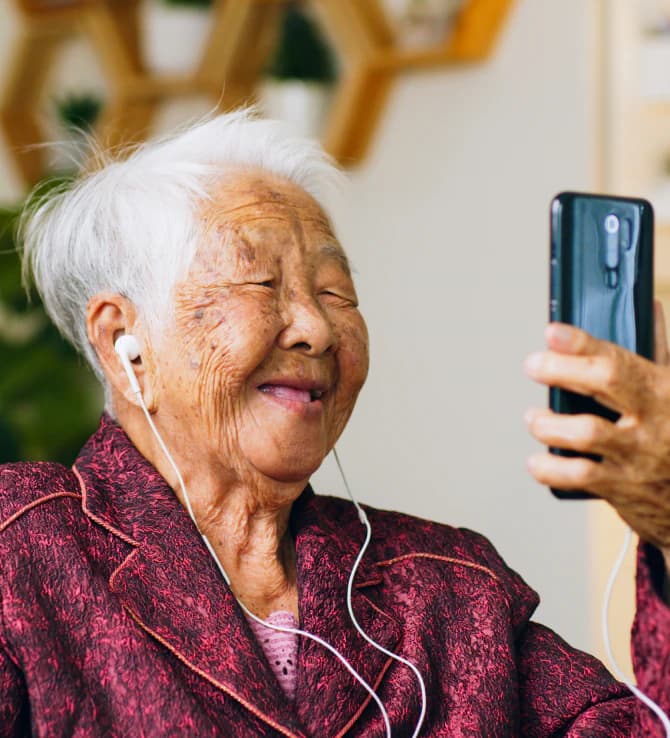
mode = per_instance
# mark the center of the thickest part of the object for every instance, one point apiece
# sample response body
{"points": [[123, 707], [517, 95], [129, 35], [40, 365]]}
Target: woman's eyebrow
{"points": [[335, 251]]}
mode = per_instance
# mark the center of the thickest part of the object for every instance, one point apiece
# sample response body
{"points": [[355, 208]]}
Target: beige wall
{"points": [[446, 223]]}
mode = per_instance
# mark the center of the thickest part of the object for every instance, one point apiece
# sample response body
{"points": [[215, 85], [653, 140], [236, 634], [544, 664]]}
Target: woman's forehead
{"points": [[267, 239], [255, 212], [245, 194]]}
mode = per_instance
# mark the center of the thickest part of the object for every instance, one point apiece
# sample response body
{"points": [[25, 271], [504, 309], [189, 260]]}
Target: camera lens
{"points": [[611, 223]]}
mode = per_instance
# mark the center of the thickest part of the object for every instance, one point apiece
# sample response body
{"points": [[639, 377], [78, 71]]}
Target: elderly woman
{"points": [[212, 251]]}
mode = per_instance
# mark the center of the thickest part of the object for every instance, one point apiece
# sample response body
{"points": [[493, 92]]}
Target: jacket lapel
{"points": [[328, 698], [173, 589], [169, 583]]}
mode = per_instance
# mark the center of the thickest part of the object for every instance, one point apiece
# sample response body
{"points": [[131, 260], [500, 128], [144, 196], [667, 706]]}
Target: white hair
{"points": [[131, 227]]}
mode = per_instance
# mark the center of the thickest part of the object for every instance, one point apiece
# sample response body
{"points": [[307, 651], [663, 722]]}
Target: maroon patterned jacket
{"points": [[115, 622]]}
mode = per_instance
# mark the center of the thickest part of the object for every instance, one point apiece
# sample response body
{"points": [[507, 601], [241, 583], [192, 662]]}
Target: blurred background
{"points": [[457, 120]]}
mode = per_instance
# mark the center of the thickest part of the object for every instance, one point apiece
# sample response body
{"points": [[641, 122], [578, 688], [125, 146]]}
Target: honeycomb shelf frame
{"points": [[241, 36]]}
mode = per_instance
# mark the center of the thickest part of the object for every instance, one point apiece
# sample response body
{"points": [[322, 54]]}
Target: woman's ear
{"points": [[110, 316]]}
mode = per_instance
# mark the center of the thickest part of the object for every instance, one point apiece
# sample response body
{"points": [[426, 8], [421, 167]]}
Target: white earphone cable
{"points": [[168, 456], [658, 711], [364, 520]]}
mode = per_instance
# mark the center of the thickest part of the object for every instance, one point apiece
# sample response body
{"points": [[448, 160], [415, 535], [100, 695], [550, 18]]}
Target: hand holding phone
{"points": [[601, 281], [634, 472]]}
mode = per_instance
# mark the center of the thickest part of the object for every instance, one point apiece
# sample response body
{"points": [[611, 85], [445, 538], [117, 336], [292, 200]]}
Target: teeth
{"points": [[289, 392]]}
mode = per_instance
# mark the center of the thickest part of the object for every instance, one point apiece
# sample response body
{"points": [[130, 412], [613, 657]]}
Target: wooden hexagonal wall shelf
{"points": [[241, 36]]}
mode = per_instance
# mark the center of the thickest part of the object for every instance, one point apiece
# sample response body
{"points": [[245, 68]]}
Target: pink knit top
{"points": [[280, 649]]}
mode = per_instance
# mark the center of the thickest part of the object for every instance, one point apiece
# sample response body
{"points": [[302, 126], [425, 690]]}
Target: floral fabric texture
{"points": [[114, 621]]}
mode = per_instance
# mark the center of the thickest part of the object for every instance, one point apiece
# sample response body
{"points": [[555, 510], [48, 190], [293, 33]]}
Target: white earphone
{"points": [[128, 349]]}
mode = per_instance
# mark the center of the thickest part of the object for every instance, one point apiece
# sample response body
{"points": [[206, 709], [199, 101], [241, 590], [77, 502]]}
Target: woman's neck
{"points": [[256, 550], [244, 516]]}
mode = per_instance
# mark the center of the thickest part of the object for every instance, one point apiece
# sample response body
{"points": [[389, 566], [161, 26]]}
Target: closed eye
{"points": [[265, 284], [269, 283], [332, 296]]}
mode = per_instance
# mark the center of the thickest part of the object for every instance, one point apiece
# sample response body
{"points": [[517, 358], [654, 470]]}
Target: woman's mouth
{"points": [[286, 393]]}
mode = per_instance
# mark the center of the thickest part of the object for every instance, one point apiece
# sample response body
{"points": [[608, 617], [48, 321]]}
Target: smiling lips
{"points": [[291, 393]]}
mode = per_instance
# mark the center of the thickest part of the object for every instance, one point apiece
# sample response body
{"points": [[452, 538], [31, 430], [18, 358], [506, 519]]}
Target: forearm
{"points": [[651, 639], [566, 692]]}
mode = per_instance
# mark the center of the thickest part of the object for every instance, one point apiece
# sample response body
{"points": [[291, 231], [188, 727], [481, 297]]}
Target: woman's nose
{"points": [[307, 327]]}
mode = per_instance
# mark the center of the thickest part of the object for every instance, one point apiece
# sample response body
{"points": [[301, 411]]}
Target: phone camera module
{"points": [[612, 224]]}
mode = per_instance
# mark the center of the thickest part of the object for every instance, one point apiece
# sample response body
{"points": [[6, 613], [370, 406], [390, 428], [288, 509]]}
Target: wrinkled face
{"points": [[269, 349]]}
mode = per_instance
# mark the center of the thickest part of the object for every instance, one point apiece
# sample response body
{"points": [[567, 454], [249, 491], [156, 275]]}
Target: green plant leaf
{"points": [[49, 400], [302, 52], [78, 112]]}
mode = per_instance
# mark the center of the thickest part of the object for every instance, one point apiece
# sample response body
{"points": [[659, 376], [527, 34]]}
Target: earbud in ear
{"points": [[128, 349], [127, 345]]}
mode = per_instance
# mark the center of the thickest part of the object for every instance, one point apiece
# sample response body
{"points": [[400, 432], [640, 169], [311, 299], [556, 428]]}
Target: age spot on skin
{"points": [[246, 251], [217, 318], [198, 314], [276, 196]]}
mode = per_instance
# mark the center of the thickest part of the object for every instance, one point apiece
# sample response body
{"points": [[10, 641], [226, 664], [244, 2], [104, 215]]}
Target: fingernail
{"points": [[561, 333], [531, 463], [533, 363], [530, 415]]}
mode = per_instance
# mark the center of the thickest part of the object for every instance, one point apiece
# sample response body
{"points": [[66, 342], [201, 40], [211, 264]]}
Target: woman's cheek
{"points": [[234, 347], [353, 361], [353, 348]]}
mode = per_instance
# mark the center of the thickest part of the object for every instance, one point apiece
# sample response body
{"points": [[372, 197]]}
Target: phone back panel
{"points": [[601, 279]]}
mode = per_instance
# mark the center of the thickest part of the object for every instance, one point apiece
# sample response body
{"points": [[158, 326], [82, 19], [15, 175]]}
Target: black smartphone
{"points": [[602, 280]]}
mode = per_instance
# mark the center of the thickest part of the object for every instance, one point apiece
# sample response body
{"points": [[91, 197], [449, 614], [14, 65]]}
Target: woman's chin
{"points": [[287, 473], [285, 462], [287, 468]]}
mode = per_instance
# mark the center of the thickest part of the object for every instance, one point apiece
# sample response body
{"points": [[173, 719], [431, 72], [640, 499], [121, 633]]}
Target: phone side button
{"points": [[554, 290]]}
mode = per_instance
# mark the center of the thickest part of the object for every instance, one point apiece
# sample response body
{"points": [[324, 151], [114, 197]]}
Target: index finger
{"points": [[568, 339], [581, 363]]}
